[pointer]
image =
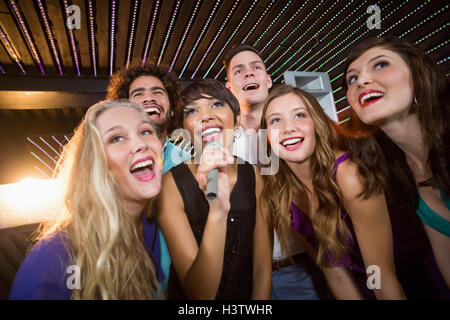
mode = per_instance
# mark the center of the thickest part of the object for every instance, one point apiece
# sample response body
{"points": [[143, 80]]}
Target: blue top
{"points": [[44, 274], [431, 218], [173, 155]]}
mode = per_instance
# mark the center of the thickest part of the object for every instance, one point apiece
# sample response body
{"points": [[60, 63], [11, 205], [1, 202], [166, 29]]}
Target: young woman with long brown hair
{"points": [[319, 192], [396, 88]]}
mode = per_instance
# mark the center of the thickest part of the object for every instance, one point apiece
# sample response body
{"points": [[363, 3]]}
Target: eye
{"points": [[238, 71], [380, 65], [188, 112], [115, 139], [217, 104], [274, 120], [146, 132], [351, 80], [300, 115]]}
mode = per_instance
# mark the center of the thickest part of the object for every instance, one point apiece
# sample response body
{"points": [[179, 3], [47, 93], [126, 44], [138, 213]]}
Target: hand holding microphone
{"points": [[212, 173]]}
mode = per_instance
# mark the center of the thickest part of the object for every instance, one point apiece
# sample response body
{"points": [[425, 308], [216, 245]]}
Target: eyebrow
{"points": [[251, 63], [112, 129], [374, 58], [277, 113], [202, 96], [118, 127], [151, 88]]}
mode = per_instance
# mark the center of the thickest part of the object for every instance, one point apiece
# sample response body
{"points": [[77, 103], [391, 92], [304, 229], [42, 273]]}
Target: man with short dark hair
{"points": [[248, 80], [250, 83], [156, 91]]}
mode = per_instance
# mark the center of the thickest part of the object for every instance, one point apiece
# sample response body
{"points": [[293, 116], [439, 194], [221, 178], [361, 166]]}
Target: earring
{"points": [[238, 133], [415, 99]]}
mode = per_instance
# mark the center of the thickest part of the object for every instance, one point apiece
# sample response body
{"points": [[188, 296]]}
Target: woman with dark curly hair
{"points": [[393, 86]]}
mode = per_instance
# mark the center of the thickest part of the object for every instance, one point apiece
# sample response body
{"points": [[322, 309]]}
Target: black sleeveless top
{"points": [[236, 281]]}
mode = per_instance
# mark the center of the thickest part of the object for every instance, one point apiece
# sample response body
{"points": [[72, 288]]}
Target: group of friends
{"points": [[373, 194]]}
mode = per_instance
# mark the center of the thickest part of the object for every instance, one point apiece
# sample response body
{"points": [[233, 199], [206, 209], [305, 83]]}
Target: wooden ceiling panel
{"points": [[292, 35]]}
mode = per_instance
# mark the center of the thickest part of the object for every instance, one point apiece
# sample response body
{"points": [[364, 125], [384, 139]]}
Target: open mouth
{"points": [[292, 143], [369, 97], [210, 133], [152, 110], [251, 86], [143, 169]]}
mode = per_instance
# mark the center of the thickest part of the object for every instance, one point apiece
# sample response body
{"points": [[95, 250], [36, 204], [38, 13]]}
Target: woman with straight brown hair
{"points": [[397, 89], [342, 220]]}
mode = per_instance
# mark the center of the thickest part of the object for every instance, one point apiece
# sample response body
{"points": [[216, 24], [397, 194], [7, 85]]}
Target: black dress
{"points": [[236, 280]]}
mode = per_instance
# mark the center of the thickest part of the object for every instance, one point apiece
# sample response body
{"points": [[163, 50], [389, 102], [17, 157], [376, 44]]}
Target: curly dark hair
{"points": [[433, 110], [120, 82]]}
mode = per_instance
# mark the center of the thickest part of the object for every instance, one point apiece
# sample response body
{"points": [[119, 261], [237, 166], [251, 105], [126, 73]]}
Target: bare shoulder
{"points": [[349, 180]]}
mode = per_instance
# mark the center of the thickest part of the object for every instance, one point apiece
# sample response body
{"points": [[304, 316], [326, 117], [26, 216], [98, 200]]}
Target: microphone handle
{"points": [[212, 185]]}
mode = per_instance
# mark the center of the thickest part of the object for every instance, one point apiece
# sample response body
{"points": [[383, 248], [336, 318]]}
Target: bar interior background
{"points": [[50, 74]]}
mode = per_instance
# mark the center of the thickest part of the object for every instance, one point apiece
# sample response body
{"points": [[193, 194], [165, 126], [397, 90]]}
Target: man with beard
{"points": [[295, 276], [156, 91]]}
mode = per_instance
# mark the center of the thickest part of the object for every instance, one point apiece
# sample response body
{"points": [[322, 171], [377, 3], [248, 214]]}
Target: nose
{"points": [[249, 72], [138, 144], [206, 115], [288, 126], [148, 97], [364, 78]]}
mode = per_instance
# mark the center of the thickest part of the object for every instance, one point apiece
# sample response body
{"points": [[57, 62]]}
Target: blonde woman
{"points": [[319, 192], [105, 247]]}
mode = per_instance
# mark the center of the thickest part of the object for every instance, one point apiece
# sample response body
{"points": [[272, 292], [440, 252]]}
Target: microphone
{"points": [[213, 175]]}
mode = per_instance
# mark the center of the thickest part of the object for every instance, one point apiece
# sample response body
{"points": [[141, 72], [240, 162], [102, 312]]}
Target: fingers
{"points": [[212, 159]]}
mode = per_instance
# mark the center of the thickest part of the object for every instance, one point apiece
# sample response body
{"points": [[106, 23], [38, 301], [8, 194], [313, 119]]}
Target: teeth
{"points": [[251, 86], [371, 95], [291, 141], [152, 110], [210, 131], [142, 165]]}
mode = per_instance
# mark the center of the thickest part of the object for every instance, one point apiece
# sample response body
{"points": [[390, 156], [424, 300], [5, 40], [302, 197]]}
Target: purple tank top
{"points": [[351, 259], [414, 262], [303, 225]]}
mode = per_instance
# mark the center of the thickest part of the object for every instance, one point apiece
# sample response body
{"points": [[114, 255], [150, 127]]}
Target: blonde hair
{"points": [[102, 238], [279, 189]]}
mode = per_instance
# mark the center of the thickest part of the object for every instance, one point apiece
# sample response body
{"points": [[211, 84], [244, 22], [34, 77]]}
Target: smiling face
{"points": [[290, 126], [133, 152], [149, 92], [248, 79], [380, 86], [209, 119]]}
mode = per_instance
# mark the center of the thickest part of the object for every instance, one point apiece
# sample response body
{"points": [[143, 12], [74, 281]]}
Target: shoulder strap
{"points": [[338, 161], [194, 200]]}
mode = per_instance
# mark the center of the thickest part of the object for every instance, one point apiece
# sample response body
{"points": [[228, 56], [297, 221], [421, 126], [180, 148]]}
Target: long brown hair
{"points": [[279, 189], [432, 107]]}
